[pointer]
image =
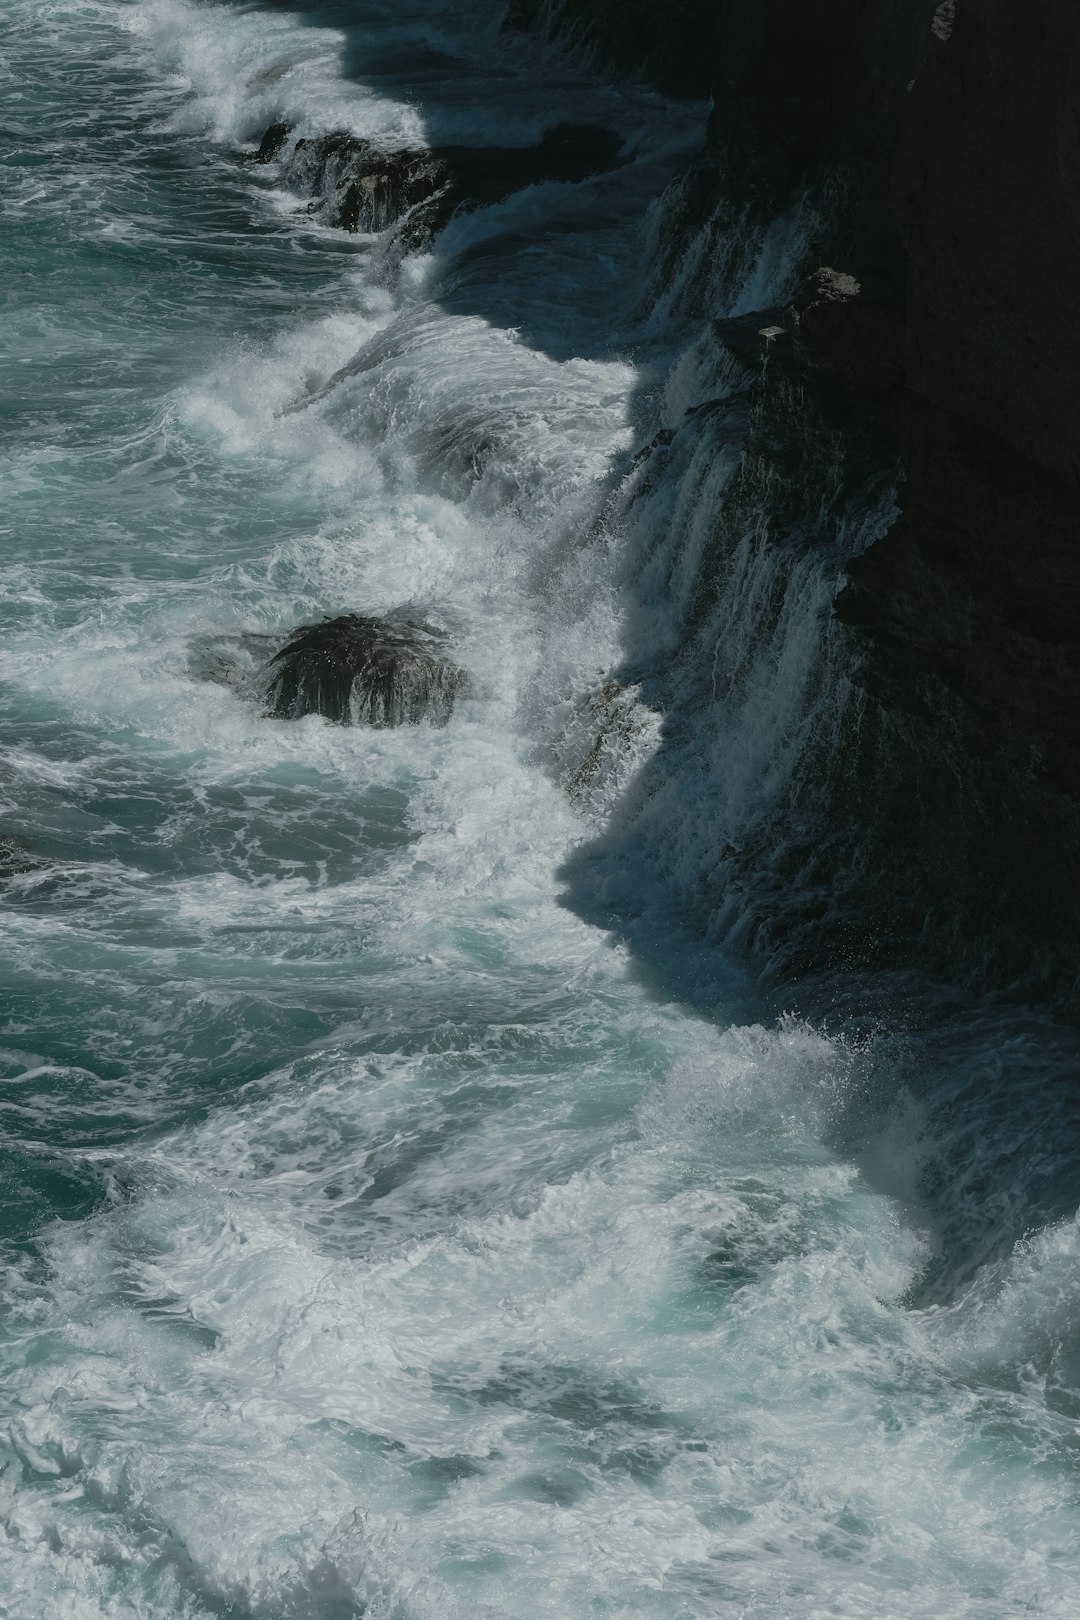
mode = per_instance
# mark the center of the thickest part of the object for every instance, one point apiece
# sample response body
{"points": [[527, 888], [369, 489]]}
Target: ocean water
{"points": [[406, 1212]]}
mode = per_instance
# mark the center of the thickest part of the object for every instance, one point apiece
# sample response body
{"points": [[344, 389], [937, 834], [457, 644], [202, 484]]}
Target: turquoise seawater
{"points": [[378, 1237]]}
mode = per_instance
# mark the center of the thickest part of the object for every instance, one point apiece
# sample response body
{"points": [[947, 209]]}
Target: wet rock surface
{"points": [[270, 147], [363, 671], [924, 157], [355, 669], [360, 187], [235, 660], [926, 154]]}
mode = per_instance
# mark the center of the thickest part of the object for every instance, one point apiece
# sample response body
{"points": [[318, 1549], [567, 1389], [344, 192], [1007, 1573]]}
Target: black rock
{"points": [[271, 144], [361, 187], [365, 671]]}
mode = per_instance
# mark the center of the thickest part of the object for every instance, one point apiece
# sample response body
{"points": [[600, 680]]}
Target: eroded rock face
{"points": [[359, 187], [852, 331], [934, 149], [363, 671]]}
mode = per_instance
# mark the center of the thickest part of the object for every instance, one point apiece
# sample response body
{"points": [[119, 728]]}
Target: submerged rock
{"points": [[601, 738], [237, 661], [363, 671], [16, 859]]}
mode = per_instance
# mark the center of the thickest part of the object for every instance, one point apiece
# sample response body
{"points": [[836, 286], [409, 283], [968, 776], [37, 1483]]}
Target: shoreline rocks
{"points": [[362, 671], [359, 187], [354, 669]]}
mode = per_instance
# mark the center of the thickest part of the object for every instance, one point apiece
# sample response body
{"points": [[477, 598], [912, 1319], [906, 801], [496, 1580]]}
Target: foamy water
{"points": [[406, 1211]]}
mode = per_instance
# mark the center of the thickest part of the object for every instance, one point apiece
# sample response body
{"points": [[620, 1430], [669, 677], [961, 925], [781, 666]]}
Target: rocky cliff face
{"points": [[971, 605], [988, 202], [675, 47], [934, 154], [803, 91]]}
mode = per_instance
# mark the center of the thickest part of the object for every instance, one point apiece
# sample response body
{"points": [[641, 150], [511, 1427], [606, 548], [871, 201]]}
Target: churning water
{"points": [[381, 1235]]}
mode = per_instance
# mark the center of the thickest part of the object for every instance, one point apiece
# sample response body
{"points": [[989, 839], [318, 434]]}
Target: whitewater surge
{"points": [[412, 1204]]}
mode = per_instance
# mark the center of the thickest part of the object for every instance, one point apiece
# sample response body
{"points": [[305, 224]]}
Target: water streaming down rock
{"points": [[947, 685], [354, 669], [359, 186], [366, 672]]}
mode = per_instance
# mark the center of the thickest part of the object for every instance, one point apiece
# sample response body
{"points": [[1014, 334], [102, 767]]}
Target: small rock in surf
{"points": [[271, 144], [363, 671]]}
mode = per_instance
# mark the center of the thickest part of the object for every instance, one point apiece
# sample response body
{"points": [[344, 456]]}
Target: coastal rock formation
{"points": [[271, 144], [982, 577], [880, 241], [364, 671], [355, 669], [929, 155], [360, 187]]}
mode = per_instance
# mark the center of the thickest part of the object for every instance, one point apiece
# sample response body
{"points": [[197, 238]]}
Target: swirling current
{"points": [[413, 1204]]}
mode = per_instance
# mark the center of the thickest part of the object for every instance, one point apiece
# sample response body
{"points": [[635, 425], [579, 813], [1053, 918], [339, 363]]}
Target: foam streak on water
{"points": [[380, 1236]]}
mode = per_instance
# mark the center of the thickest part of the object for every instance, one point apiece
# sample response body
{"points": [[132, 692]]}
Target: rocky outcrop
{"points": [[932, 152], [273, 140], [928, 155], [355, 669], [360, 187], [363, 671], [981, 580]]}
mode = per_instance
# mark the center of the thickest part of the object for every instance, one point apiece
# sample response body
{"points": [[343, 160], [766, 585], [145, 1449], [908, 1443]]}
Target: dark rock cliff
{"points": [[970, 604], [988, 201], [935, 154]]}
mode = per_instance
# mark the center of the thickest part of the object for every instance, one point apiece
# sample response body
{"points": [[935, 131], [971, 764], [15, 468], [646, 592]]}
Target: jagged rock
{"points": [[604, 734], [931, 152], [271, 144], [357, 670], [362, 187]]}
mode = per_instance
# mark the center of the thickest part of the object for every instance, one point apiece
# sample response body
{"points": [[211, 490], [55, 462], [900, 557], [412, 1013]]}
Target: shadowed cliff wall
{"points": [[939, 146]]}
